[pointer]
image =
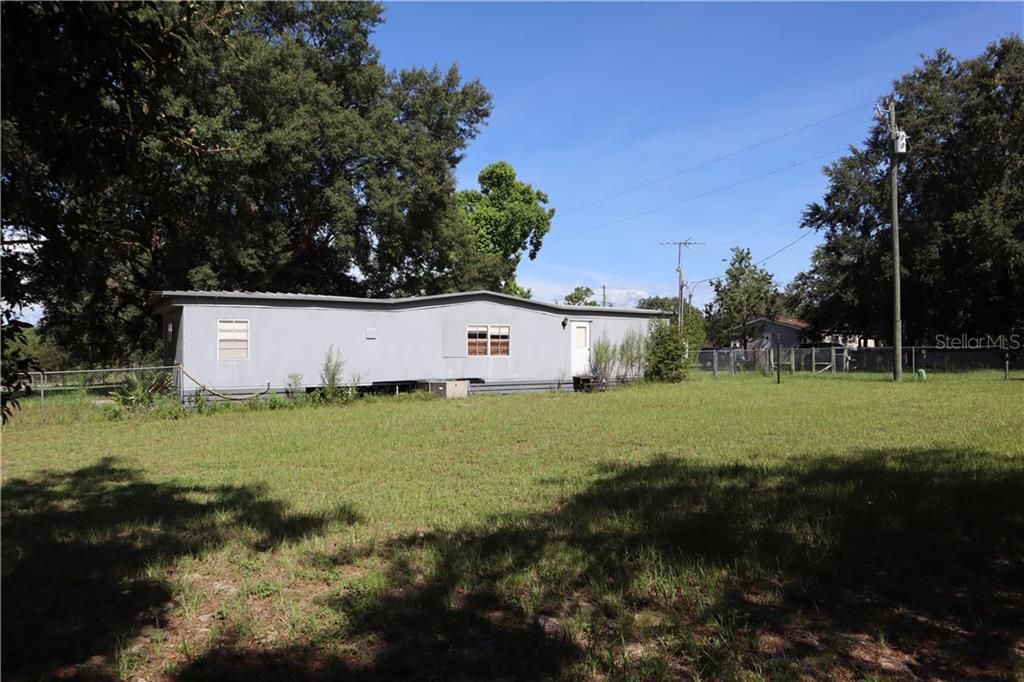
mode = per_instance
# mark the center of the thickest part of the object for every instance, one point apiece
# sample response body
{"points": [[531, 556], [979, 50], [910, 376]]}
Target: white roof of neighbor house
{"points": [[159, 299]]}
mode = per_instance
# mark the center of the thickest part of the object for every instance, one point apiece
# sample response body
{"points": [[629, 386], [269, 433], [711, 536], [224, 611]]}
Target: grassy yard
{"points": [[842, 528]]}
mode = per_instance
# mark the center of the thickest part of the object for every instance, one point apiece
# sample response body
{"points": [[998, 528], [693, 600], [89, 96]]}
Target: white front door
{"points": [[580, 349]]}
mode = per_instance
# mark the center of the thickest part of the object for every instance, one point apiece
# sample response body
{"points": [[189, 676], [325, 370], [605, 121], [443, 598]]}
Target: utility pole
{"points": [[682, 279], [898, 146]]}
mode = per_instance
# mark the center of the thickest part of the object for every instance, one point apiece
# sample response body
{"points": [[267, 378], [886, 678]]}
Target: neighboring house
{"points": [[762, 332], [852, 341], [241, 341]]}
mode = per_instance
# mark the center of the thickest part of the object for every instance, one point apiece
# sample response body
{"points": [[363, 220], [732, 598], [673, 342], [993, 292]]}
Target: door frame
{"points": [[573, 326]]}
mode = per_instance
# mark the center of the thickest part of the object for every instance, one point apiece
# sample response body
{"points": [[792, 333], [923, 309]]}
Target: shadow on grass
{"points": [[894, 564], [82, 552]]}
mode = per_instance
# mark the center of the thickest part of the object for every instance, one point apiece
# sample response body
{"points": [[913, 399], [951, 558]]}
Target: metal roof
{"points": [[784, 321], [173, 297]]}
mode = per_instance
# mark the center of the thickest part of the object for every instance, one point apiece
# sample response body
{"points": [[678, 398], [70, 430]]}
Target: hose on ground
{"points": [[217, 393]]}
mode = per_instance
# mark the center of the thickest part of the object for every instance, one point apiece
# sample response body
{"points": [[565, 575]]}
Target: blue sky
{"points": [[592, 99]]}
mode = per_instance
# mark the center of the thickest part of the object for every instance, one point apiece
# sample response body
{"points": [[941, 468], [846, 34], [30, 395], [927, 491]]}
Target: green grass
{"points": [[728, 529]]}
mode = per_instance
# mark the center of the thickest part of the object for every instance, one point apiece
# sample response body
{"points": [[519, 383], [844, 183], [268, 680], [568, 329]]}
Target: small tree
{"points": [[746, 294], [664, 352]]}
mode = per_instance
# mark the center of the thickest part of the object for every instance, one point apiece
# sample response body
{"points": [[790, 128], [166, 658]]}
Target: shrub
{"points": [[201, 403], [664, 359], [330, 375], [631, 355], [169, 410], [602, 361], [113, 412], [332, 390], [293, 388], [134, 392]]}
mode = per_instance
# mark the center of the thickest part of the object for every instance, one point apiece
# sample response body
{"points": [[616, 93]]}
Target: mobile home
{"points": [[240, 342]]}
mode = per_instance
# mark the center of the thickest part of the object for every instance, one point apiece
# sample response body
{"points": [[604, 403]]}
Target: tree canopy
{"points": [[961, 204], [694, 332], [746, 294], [509, 220], [225, 146], [580, 296]]}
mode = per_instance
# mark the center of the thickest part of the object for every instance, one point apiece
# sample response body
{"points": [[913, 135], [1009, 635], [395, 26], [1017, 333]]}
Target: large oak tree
{"points": [[961, 202], [221, 146]]}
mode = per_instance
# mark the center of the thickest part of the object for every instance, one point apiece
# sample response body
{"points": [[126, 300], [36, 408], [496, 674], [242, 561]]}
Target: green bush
{"points": [[113, 412], [169, 410], [631, 355], [332, 390], [664, 352], [602, 361], [203, 405], [293, 389], [276, 402], [135, 393]]}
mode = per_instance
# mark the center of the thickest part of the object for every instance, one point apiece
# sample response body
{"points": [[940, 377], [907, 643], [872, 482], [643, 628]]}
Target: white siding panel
{"points": [[454, 342]]}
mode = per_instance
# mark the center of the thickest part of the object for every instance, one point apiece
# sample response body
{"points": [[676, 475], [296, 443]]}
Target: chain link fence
{"points": [[145, 387], [130, 387], [834, 360]]}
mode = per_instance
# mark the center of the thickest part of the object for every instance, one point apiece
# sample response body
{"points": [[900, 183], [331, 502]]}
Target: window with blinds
{"points": [[483, 339], [232, 339], [476, 336], [499, 340]]}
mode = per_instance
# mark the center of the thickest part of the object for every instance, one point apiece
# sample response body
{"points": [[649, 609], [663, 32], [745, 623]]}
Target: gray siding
{"points": [[426, 342], [765, 331]]}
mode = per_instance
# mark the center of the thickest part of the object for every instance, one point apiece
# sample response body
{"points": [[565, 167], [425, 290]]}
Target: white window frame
{"points": [[487, 340], [248, 338], [508, 339]]}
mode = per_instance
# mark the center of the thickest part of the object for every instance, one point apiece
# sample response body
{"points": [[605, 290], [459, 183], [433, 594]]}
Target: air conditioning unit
{"points": [[446, 389]]}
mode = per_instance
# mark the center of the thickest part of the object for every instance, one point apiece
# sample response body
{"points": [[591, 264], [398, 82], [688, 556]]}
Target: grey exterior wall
{"points": [[765, 331], [409, 343]]}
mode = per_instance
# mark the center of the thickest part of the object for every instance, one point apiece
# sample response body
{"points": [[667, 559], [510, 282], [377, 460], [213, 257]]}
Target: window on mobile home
{"points": [[476, 336], [483, 339], [499, 340], [233, 339]]}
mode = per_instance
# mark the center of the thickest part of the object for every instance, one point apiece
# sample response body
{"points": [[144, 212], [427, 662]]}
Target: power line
{"points": [[804, 235], [648, 268], [698, 196], [760, 262], [751, 234], [716, 159]]}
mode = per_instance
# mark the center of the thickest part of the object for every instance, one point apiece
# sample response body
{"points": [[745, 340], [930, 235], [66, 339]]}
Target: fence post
{"points": [[732, 362], [913, 359], [778, 358], [833, 360], [1006, 367], [714, 363], [42, 392]]}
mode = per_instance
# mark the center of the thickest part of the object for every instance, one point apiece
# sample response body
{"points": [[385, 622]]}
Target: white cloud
{"points": [[554, 292], [626, 298]]}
